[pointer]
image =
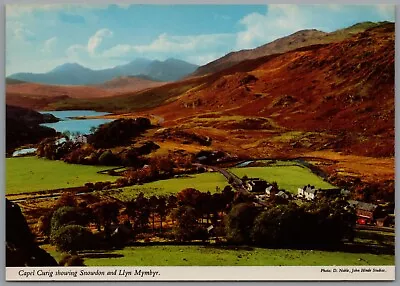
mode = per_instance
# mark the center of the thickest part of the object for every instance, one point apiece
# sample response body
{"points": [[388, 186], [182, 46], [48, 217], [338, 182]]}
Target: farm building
{"points": [[366, 213], [283, 195], [256, 185], [268, 190], [310, 192]]}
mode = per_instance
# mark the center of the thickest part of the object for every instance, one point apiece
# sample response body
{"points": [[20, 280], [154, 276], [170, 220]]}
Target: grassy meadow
{"points": [[288, 177], [203, 182], [178, 255], [30, 174]]}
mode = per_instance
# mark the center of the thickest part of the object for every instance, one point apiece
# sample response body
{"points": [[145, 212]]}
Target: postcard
{"points": [[200, 142]]}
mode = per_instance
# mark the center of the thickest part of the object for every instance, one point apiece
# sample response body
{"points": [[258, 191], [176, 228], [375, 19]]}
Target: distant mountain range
{"points": [[75, 74]]}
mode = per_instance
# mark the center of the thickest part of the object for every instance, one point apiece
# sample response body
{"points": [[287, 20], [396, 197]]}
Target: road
{"points": [[232, 179]]}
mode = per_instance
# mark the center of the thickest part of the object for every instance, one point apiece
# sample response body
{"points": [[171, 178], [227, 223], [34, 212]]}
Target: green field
{"points": [[203, 182], [30, 174], [219, 256], [288, 177]]}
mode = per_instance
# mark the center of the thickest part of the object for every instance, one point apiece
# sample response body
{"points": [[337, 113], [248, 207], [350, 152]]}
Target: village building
{"points": [[256, 185], [282, 195], [268, 190], [308, 192], [366, 213]]}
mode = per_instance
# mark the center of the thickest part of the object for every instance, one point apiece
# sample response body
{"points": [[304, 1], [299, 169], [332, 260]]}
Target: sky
{"points": [[42, 37]]}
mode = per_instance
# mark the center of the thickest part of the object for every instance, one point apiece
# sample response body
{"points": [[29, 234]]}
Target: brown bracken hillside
{"points": [[343, 89], [285, 44]]}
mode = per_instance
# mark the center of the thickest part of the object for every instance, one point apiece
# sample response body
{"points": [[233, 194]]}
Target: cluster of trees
{"points": [[374, 192], [66, 224], [366, 191], [159, 167], [315, 224], [86, 154], [194, 215], [51, 148], [191, 211], [196, 210], [118, 132]]}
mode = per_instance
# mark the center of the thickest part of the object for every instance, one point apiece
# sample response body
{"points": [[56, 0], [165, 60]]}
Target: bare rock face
{"points": [[21, 249]]}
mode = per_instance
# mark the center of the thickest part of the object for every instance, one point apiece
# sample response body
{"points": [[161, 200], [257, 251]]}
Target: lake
{"points": [[68, 123]]}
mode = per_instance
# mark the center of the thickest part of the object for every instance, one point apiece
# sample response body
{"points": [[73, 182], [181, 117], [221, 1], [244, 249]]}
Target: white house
{"points": [[308, 192]]}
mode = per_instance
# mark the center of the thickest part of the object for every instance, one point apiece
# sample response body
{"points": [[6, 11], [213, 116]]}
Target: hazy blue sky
{"points": [[41, 37]]}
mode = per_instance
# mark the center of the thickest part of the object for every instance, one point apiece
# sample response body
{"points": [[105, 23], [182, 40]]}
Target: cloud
{"points": [[95, 40], [71, 18], [167, 44], [387, 11], [198, 49], [280, 20], [49, 45], [20, 10], [24, 34]]}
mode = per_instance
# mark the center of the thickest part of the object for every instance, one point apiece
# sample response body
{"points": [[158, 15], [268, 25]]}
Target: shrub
{"points": [[65, 216], [73, 238], [44, 224], [107, 158]]}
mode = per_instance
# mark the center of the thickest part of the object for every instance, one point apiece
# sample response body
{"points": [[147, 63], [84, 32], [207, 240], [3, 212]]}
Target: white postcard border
{"points": [[202, 273]]}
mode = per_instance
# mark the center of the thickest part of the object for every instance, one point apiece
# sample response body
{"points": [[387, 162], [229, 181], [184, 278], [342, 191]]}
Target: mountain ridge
{"points": [[293, 41], [76, 74]]}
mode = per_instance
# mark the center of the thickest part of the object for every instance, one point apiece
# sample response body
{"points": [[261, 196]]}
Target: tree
{"points": [[188, 197], [239, 223], [107, 158], [227, 197], [105, 213], [67, 216], [73, 238], [162, 209], [153, 203], [280, 226], [66, 199], [186, 228], [142, 212], [204, 206], [172, 203]]}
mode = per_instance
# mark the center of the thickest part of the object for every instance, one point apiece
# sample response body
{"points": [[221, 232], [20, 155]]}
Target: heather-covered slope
{"points": [[344, 90], [294, 41]]}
